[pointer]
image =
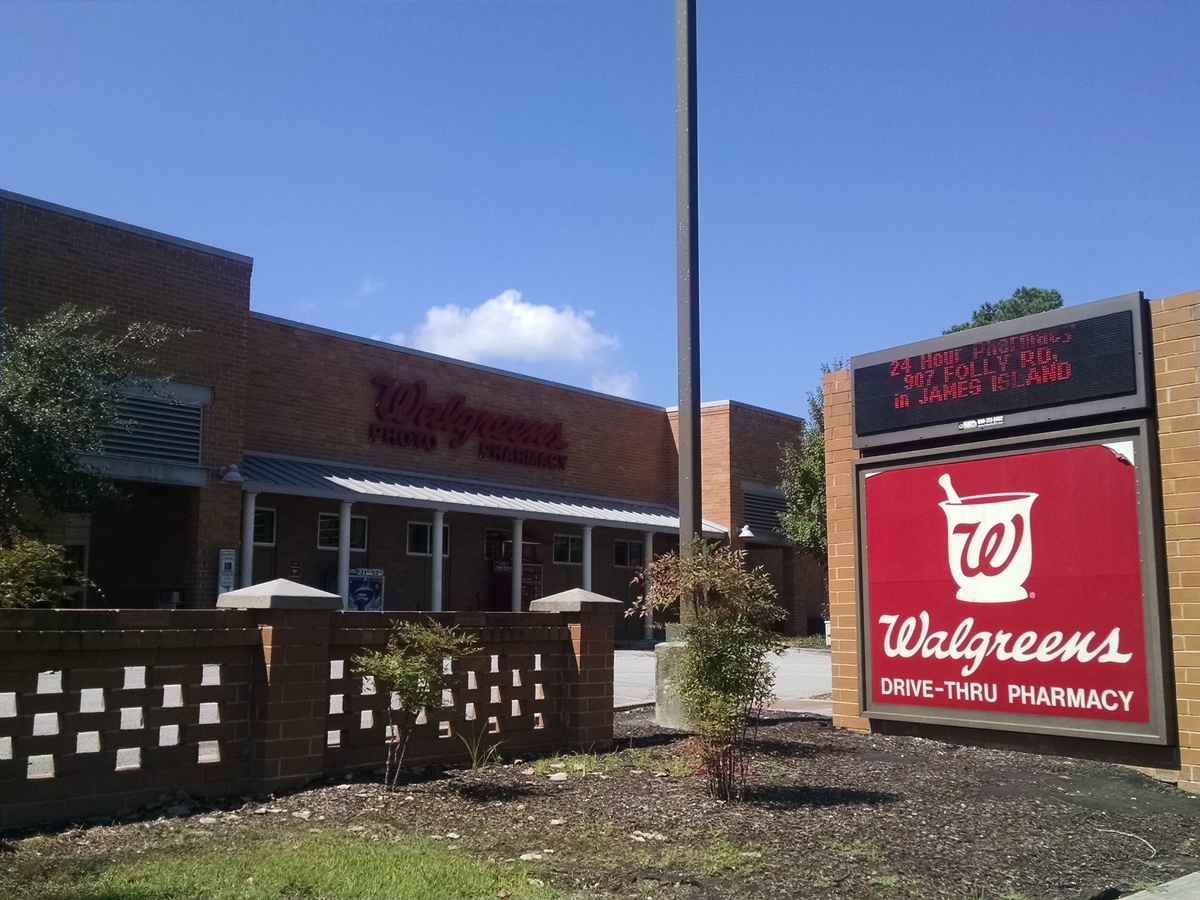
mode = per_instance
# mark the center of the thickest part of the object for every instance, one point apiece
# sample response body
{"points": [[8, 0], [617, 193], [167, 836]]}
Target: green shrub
{"points": [[411, 673], [34, 573], [725, 678]]}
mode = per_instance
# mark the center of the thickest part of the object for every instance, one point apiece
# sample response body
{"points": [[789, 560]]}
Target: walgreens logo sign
{"points": [[1008, 585]]}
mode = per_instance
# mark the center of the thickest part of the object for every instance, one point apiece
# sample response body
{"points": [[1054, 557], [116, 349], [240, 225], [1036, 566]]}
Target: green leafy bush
{"points": [[725, 677], [34, 573], [411, 672]]}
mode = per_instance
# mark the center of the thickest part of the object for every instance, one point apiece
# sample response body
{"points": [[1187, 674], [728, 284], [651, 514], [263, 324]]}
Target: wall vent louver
{"points": [[762, 512], [153, 429]]}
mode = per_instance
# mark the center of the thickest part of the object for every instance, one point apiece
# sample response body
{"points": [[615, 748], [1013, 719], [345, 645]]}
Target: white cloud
{"points": [[369, 285], [618, 384], [506, 327]]}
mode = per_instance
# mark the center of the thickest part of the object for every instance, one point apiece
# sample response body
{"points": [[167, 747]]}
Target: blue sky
{"points": [[495, 180]]}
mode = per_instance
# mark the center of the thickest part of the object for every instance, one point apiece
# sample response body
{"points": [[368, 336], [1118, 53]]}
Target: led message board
{"points": [[1079, 361], [1014, 590]]}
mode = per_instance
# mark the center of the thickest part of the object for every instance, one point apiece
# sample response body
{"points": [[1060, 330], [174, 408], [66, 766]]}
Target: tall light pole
{"points": [[687, 244]]}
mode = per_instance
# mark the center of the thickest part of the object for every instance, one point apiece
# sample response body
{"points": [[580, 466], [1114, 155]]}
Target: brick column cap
{"points": [[576, 600], [279, 594]]}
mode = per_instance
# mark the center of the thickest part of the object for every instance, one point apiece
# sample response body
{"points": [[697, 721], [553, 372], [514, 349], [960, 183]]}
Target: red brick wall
{"points": [[290, 389], [50, 256], [311, 396]]}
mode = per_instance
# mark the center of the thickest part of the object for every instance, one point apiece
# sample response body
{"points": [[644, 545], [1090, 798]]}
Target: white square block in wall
{"points": [[49, 683], [135, 678], [131, 718], [129, 758]]}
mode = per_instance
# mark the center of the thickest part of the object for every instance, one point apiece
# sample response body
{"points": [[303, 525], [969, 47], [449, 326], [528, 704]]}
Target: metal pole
{"points": [[688, 280]]}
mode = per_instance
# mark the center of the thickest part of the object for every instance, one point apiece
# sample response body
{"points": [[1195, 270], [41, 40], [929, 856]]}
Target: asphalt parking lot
{"points": [[800, 676]]}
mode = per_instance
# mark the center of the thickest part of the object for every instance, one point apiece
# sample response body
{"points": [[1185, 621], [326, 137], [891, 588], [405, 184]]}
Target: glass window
{"points": [[420, 539], [327, 532], [497, 544], [264, 528], [568, 549], [627, 554]]}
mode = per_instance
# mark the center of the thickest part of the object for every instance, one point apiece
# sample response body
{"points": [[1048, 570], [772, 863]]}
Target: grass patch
{"points": [[297, 866], [860, 850]]}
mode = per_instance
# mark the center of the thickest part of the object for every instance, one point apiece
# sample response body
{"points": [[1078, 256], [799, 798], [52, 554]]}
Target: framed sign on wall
{"points": [[1015, 587]]}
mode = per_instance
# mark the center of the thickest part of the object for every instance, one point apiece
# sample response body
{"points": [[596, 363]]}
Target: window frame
{"points": [[337, 522], [497, 537], [263, 510], [428, 527], [629, 546], [572, 540]]}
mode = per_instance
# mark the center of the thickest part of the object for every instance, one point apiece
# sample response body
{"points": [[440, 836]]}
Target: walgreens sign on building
{"points": [[1009, 567]]}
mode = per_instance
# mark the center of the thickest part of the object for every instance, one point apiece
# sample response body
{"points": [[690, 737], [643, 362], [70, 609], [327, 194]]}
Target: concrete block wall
{"points": [[1175, 338]]}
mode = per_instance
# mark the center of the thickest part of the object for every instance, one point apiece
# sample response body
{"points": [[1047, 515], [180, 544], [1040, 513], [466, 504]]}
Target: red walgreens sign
{"points": [[1007, 592]]}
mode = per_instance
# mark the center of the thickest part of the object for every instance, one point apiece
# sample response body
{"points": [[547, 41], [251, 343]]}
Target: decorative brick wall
{"points": [[1175, 335], [105, 711]]}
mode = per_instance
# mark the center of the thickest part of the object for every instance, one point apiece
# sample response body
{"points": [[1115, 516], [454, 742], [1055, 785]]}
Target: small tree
{"points": [[1025, 301], [61, 387], [802, 474], [411, 673], [725, 677]]}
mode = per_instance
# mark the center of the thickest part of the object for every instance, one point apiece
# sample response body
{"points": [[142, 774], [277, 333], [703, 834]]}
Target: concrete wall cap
{"points": [[279, 594], [575, 600]]}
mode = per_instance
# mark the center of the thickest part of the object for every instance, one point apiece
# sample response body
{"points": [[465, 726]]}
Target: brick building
{"points": [[290, 451]]}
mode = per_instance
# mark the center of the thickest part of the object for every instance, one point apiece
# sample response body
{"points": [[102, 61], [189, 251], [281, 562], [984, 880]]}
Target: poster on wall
{"points": [[366, 590], [1013, 590]]}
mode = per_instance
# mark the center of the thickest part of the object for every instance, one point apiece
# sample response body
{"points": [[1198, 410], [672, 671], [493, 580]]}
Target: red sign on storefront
{"points": [[1008, 592]]}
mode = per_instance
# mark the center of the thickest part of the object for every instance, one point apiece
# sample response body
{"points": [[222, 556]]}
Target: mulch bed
{"points": [[828, 813]]}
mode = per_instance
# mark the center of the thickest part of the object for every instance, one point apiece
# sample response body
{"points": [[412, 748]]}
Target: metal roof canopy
{"points": [[266, 473]]}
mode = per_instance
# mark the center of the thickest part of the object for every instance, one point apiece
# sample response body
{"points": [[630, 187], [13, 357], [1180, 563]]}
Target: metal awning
{"points": [[264, 473]]}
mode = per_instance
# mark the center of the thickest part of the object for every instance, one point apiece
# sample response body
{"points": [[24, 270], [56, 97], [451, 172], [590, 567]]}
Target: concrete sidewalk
{"points": [[800, 675]]}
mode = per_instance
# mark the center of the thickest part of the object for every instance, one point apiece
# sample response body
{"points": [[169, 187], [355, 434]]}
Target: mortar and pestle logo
{"points": [[989, 543]]}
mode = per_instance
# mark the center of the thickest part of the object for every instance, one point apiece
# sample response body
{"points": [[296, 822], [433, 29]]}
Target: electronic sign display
{"points": [[1078, 361]]}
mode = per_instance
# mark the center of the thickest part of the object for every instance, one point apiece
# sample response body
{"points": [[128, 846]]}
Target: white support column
{"points": [[344, 550], [587, 557], [246, 575], [516, 564], [647, 558], [436, 550]]}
